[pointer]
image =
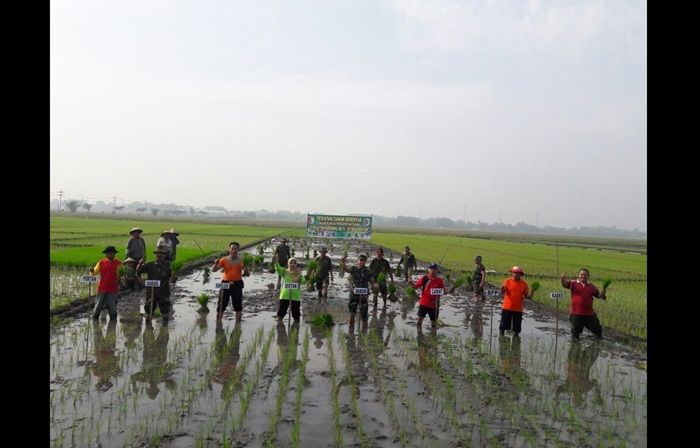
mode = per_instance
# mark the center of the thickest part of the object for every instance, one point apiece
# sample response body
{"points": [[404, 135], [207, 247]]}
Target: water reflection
{"points": [[509, 357], [106, 363], [155, 369], [578, 382], [226, 356]]}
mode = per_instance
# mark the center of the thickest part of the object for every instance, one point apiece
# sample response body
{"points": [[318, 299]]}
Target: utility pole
{"points": [[60, 201]]}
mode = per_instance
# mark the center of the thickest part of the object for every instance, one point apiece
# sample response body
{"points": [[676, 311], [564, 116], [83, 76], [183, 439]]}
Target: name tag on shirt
{"points": [[292, 285], [556, 295], [89, 278], [222, 285], [360, 291], [437, 291], [153, 283]]}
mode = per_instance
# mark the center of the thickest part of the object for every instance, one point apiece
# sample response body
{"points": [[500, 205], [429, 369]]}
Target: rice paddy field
{"points": [[190, 381]]}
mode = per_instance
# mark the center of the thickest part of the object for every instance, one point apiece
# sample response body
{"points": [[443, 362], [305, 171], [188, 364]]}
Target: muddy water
{"points": [[188, 382]]}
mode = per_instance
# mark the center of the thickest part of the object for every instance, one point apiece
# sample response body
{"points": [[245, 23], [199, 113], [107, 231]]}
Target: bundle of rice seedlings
{"points": [[381, 278], [203, 299], [247, 260], [410, 292], [392, 292], [535, 287], [398, 271], [311, 275], [323, 320], [461, 281], [606, 283], [258, 260]]}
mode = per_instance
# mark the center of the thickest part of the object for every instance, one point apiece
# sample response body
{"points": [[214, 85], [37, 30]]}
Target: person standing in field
{"points": [[581, 312], [324, 271], [409, 263], [160, 269], [108, 287], [130, 279], [380, 265], [479, 278], [172, 235], [234, 271], [281, 256], [432, 288], [165, 243], [359, 292], [514, 291], [291, 289], [136, 246]]}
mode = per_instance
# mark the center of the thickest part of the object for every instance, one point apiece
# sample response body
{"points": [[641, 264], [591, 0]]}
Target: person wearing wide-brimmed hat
{"points": [[409, 263], [136, 246], [167, 243], [130, 280], [514, 291], [160, 269], [108, 286]]}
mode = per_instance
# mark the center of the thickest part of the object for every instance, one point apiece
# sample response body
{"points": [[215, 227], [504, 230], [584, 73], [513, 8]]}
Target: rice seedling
{"points": [[606, 283], [534, 287], [410, 291], [354, 391], [392, 292], [282, 387], [323, 320], [248, 260], [296, 429], [203, 300], [337, 427]]}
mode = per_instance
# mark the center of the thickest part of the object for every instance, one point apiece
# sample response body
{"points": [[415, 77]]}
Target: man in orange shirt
{"points": [[514, 291], [234, 271]]}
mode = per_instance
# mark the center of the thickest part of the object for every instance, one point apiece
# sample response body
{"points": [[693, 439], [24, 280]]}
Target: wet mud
{"points": [[188, 381]]}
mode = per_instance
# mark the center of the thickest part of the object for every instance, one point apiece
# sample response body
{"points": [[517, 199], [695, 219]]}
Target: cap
{"points": [[434, 266], [363, 257], [517, 270], [111, 249]]}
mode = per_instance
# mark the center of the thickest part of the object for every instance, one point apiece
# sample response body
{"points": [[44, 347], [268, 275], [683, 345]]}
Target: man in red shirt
{"points": [[514, 291], [108, 287], [433, 287], [581, 312]]}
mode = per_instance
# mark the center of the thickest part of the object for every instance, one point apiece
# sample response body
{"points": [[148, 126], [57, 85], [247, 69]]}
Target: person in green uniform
{"points": [[291, 289]]}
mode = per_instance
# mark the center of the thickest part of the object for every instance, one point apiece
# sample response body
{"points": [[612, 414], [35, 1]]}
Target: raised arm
{"points": [[216, 266], [565, 282]]}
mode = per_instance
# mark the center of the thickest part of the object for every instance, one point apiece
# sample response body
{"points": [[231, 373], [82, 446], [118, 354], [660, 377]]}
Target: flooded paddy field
{"points": [[189, 382]]}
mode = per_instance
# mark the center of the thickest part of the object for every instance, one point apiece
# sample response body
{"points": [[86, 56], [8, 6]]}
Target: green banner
{"points": [[339, 226]]}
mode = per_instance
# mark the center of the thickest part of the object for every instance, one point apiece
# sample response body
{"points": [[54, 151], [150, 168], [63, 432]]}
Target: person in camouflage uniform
{"points": [[282, 255], [157, 270], [380, 265], [361, 279], [409, 263], [324, 270]]}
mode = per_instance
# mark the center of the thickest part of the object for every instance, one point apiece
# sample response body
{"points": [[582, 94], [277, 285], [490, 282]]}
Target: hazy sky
{"points": [[533, 111]]}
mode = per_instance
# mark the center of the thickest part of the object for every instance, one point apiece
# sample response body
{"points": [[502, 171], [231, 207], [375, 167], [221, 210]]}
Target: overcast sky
{"points": [[529, 111]]}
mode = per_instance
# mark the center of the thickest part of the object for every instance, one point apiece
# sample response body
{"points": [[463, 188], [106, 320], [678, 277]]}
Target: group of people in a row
{"points": [[364, 279]]}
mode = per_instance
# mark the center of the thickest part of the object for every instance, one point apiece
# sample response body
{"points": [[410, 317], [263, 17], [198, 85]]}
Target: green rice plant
{"points": [[381, 278], [398, 271], [323, 320], [410, 291], [258, 260], [296, 429], [535, 286], [392, 292], [606, 283], [203, 299], [248, 260]]}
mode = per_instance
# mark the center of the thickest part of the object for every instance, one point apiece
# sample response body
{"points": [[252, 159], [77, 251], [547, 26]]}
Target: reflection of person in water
{"points": [[284, 347], [509, 357], [578, 382], [131, 328], [155, 369], [427, 348], [106, 361], [476, 320], [357, 370], [226, 355]]}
